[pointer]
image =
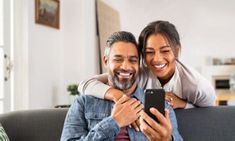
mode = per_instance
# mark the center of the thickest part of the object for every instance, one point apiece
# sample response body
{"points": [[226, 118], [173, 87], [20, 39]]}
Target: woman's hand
{"points": [[113, 94], [175, 101]]}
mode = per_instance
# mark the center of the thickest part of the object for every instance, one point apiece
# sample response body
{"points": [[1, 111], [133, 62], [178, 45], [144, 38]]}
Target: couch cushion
{"points": [[197, 124], [207, 124]]}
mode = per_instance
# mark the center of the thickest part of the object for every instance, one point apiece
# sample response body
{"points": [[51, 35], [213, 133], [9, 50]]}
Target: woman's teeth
{"points": [[160, 66]]}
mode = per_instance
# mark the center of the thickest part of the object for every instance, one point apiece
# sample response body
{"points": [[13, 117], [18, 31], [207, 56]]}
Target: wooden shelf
{"points": [[224, 95]]}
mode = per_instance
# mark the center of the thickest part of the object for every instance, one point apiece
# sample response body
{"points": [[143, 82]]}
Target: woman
{"points": [[159, 43]]}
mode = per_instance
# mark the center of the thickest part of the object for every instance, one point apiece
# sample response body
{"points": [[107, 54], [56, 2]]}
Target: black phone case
{"points": [[154, 98]]}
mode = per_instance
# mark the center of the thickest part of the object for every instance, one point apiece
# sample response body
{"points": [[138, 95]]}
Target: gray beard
{"points": [[121, 86]]}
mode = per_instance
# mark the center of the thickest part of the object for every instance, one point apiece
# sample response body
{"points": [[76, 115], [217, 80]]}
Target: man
{"points": [[90, 118]]}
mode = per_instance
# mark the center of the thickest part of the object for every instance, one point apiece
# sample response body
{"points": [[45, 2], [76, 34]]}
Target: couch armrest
{"points": [[34, 125]]}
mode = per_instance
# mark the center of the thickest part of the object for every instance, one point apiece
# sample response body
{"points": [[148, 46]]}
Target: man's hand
{"points": [[135, 125], [153, 130], [126, 110], [175, 101]]}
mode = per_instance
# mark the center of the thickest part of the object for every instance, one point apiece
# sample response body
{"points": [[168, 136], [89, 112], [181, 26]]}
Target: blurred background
{"points": [[39, 60]]}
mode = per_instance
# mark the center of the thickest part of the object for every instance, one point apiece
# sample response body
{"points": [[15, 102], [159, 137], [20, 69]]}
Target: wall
{"points": [[47, 60], [1, 23], [1, 73], [51, 58], [80, 41], [206, 27], [21, 55]]}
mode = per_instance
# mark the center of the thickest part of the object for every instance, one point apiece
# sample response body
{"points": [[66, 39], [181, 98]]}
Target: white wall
{"points": [[50, 59], [1, 51], [1, 73], [1, 23], [53, 58], [206, 27], [21, 55], [80, 42]]}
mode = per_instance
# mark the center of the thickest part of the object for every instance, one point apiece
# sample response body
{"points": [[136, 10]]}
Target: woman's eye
{"points": [[165, 51], [149, 52]]}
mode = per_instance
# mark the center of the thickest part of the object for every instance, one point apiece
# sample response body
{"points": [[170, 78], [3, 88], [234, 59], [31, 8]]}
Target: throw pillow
{"points": [[3, 135]]}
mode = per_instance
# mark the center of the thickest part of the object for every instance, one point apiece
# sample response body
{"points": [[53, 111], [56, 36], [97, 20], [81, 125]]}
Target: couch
{"points": [[197, 124], [34, 125]]}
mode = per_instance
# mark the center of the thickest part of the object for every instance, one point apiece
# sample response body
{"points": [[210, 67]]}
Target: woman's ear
{"points": [[177, 50]]}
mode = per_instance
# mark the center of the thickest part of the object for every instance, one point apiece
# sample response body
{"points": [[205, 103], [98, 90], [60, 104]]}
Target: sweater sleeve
{"points": [[95, 86], [205, 94], [189, 105]]}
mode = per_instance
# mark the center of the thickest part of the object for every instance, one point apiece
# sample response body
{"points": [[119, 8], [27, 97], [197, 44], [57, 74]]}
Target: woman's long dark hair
{"points": [[164, 28]]}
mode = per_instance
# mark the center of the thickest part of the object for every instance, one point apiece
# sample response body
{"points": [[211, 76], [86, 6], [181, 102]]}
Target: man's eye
{"points": [[133, 60], [118, 60]]}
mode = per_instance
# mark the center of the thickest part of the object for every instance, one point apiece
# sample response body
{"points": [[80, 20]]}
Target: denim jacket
{"points": [[89, 118]]}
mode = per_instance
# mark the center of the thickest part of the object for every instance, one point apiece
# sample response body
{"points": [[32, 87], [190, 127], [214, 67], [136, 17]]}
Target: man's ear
{"points": [[105, 60]]}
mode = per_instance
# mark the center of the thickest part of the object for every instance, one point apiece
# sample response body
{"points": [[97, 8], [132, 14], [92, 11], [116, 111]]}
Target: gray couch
{"points": [[198, 124]]}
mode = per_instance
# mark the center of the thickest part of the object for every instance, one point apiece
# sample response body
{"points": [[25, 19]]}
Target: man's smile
{"points": [[125, 75]]}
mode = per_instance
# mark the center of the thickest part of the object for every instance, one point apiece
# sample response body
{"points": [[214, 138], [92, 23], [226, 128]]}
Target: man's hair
{"points": [[120, 36], [164, 28]]}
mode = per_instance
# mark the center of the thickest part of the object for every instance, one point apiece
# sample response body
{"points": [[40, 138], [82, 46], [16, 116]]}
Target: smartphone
{"points": [[154, 98]]}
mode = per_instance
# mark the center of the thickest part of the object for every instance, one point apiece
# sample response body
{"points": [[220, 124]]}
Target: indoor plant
{"points": [[73, 92]]}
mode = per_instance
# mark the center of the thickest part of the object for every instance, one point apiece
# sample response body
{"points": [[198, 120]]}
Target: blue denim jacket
{"points": [[89, 118]]}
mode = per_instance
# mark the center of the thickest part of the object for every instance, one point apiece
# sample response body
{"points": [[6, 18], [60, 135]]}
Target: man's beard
{"points": [[122, 85]]}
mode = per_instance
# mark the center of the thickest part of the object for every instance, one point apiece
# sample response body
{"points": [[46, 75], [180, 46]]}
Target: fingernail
{"points": [[137, 129]]}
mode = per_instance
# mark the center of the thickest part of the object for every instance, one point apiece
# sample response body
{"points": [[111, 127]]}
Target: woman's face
{"points": [[160, 57]]}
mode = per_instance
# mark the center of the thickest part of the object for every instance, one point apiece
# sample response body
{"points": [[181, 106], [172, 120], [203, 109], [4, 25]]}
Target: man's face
{"points": [[122, 65]]}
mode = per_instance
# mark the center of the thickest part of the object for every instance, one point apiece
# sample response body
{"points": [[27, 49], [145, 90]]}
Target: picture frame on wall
{"points": [[47, 12]]}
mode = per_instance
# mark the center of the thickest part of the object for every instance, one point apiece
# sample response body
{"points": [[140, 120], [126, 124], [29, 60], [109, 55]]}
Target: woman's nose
{"points": [[157, 56]]}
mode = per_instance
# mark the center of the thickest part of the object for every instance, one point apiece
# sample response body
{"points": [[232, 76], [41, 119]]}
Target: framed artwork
{"points": [[47, 12]]}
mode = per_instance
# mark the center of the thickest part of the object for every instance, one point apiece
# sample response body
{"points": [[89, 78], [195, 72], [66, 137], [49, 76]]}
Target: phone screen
{"points": [[154, 98]]}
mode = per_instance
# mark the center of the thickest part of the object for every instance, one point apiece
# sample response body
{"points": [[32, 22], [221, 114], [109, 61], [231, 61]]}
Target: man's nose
{"points": [[125, 65]]}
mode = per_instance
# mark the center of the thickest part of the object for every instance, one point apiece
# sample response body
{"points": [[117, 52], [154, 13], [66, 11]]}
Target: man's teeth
{"points": [[159, 66], [126, 75]]}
